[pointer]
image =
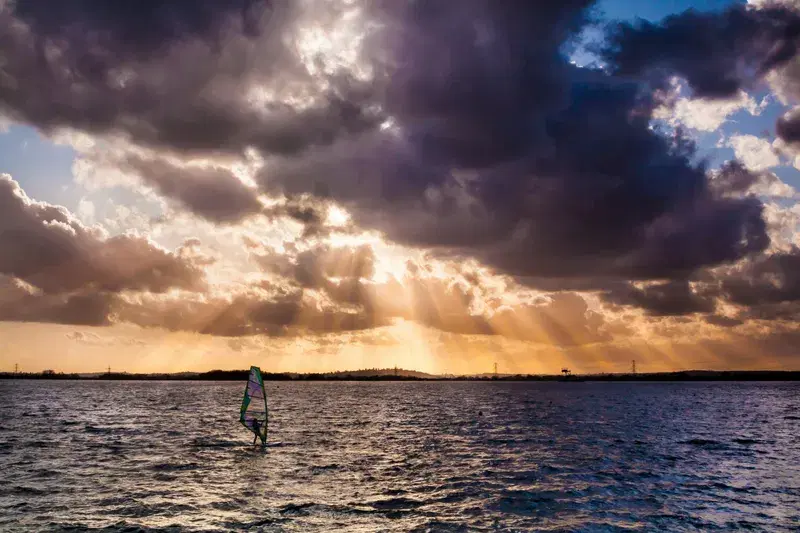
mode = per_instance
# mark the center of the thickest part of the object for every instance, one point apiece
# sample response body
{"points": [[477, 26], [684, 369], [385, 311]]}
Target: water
{"points": [[395, 456]]}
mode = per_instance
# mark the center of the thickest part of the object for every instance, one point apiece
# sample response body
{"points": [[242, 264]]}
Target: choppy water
{"points": [[401, 457]]}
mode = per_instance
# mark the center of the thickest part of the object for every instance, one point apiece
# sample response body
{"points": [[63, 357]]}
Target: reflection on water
{"points": [[397, 456]]}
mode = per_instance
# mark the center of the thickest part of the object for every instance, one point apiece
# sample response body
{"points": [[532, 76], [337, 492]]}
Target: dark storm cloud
{"points": [[768, 279], [470, 83], [214, 193], [141, 28], [717, 53], [762, 287], [670, 298], [734, 178], [502, 150], [171, 75], [788, 127], [44, 245]]}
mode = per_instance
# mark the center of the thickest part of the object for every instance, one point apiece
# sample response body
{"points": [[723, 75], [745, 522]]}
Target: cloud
{"points": [[671, 298], [551, 171], [20, 302], [310, 291], [339, 271], [139, 31], [770, 185], [83, 336], [718, 54], [445, 296], [732, 179], [765, 280], [788, 128], [341, 275], [756, 153], [706, 114], [769, 3], [788, 133], [785, 81], [564, 319], [193, 77], [783, 223], [47, 247], [256, 313], [211, 192]]}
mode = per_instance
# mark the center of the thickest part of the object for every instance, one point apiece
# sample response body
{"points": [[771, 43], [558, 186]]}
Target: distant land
{"points": [[392, 374]]}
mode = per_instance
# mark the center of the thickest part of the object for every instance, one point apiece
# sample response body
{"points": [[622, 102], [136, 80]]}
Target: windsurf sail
{"points": [[253, 414]]}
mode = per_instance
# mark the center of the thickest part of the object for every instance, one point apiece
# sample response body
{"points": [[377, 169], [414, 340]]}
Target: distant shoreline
{"points": [[406, 375]]}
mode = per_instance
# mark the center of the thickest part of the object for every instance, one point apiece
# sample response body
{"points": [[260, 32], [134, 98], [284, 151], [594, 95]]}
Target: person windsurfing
{"points": [[257, 429], [254, 406]]}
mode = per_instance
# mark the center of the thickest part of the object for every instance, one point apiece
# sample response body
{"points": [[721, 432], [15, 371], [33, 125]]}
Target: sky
{"points": [[319, 185]]}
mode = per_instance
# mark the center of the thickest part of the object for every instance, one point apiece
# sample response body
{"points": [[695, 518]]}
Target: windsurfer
{"points": [[252, 415]]}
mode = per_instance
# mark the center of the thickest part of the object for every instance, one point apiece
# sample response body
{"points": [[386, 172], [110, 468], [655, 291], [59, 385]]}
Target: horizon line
{"points": [[396, 372]]}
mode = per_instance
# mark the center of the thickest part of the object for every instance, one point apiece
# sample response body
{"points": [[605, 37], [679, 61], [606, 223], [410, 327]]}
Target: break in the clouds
{"points": [[460, 131]]}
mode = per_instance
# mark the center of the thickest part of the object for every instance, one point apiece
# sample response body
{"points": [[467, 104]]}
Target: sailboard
{"points": [[253, 413]]}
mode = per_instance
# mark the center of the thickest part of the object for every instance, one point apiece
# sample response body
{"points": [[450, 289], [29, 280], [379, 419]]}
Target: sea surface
{"points": [[400, 456]]}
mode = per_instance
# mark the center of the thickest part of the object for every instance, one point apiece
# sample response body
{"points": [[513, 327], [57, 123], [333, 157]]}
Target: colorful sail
{"points": [[253, 413]]}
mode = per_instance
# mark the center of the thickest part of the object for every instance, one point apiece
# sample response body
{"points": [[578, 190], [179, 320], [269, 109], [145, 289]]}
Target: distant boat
{"points": [[253, 413]]}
